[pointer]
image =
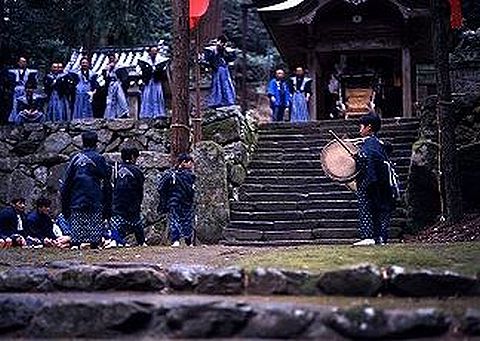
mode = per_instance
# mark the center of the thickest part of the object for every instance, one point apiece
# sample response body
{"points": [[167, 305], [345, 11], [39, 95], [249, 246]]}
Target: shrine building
{"points": [[370, 53]]}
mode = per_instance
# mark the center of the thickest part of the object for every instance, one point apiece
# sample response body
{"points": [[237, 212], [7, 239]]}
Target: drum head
{"points": [[337, 163]]}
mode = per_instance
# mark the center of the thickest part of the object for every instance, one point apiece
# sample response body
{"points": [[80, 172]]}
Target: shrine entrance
{"points": [[362, 82]]}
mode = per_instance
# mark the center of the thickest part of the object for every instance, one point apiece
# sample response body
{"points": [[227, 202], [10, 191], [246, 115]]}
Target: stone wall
{"points": [[34, 156], [237, 134]]}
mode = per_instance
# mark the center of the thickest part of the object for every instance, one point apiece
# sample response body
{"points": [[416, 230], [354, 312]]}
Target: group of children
{"points": [[101, 204]]}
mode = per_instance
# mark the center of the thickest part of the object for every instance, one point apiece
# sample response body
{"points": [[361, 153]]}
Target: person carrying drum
{"points": [[374, 190]]}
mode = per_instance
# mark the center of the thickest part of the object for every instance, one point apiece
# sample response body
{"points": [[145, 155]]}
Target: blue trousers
{"points": [[121, 227], [374, 222], [180, 222], [278, 113]]}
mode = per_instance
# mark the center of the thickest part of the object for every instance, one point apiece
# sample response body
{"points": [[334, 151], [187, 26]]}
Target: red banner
{"points": [[456, 17], [198, 8]]}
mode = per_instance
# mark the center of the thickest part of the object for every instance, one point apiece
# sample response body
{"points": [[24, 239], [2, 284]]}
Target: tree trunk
{"points": [[449, 177], [180, 96]]}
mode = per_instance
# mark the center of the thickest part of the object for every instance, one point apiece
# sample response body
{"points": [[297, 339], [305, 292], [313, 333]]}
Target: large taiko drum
{"points": [[338, 163]]}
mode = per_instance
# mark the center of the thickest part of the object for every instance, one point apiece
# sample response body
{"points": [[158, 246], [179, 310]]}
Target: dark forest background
{"points": [[45, 31]]}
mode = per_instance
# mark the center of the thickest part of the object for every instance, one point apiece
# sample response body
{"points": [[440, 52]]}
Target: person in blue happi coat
{"points": [[127, 200], [19, 78], [41, 229], [153, 69], [279, 95], [30, 106], [376, 197], [56, 88], [177, 194], [86, 86], [222, 93], [12, 224], [87, 193], [301, 91], [115, 76]]}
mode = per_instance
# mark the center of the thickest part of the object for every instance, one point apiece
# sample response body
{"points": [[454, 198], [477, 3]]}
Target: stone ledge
{"points": [[359, 281], [153, 316]]}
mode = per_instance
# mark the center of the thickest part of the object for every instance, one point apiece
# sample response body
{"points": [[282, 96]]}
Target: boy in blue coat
{"points": [[177, 193], [127, 200], [374, 191]]}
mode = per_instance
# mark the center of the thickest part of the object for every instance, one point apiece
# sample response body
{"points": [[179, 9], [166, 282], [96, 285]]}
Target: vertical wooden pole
{"points": [[407, 81], [449, 176], [244, 102], [197, 120], [180, 140]]}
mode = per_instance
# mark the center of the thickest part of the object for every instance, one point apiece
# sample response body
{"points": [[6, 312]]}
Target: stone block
{"points": [[370, 323], [57, 142], [470, 323], [24, 280], [357, 281], [134, 279], [230, 281], [427, 283], [223, 132]]}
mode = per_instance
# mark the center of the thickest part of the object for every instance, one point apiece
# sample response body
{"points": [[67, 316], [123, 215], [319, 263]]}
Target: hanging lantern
{"points": [[198, 8], [456, 17]]}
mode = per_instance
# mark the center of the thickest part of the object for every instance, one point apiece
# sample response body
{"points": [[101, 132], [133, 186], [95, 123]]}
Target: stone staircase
{"points": [[288, 200]]}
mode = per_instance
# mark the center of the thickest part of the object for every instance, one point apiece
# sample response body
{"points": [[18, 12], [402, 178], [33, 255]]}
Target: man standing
{"points": [[222, 93], [86, 86], [301, 91], [177, 194], [153, 68], [20, 76], [58, 109], [127, 200], [86, 193], [374, 191], [116, 103], [279, 95]]}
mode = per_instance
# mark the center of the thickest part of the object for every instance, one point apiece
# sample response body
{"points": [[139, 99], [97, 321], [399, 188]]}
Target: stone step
{"points": [[287, 156], [305, 164], [296, 215], [320, 143], [292, 235], [296, 180], [333, 123], [394, 134], [352, 131], [287, 242], [303, 224], [313, 171], [340, 194], [266, 206], [315, 148], [299, 188]]}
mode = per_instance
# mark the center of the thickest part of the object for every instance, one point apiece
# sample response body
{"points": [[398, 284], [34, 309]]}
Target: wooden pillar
{"points": [[312, 64], [407, 82], [180, 90], [313, 69]]}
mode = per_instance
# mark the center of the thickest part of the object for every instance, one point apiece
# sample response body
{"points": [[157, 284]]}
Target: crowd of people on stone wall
{"points": [[101, 204], [69, 94]]}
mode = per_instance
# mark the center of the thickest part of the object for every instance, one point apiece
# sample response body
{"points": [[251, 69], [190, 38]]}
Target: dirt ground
{"points": [[460, 257]]}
